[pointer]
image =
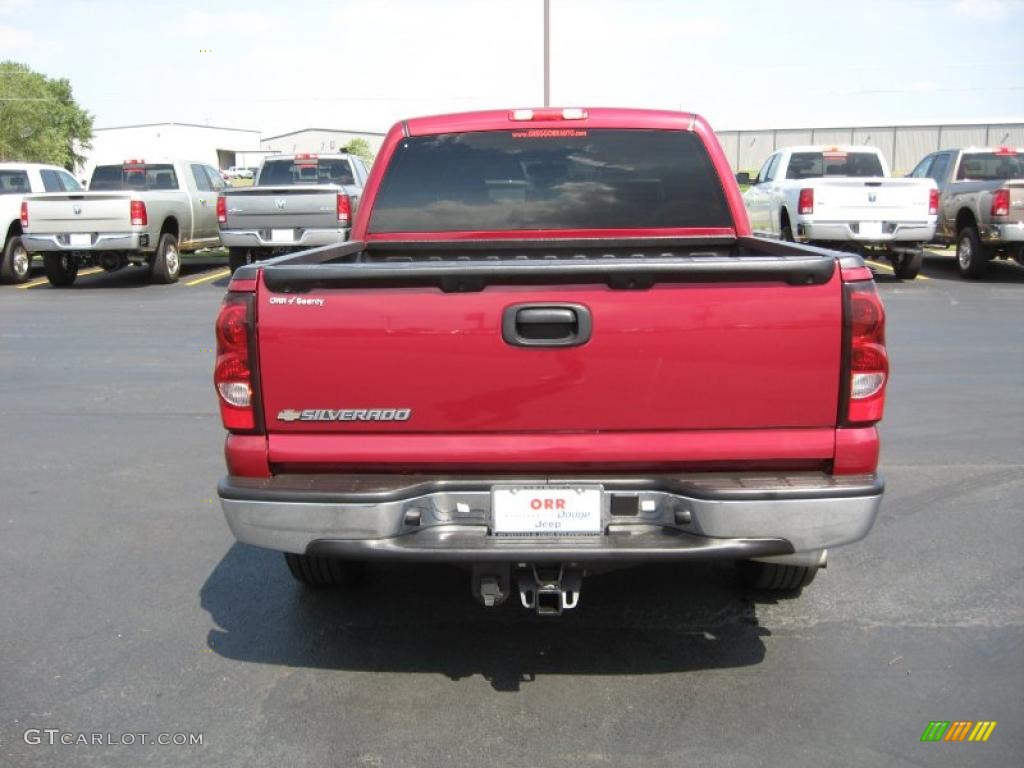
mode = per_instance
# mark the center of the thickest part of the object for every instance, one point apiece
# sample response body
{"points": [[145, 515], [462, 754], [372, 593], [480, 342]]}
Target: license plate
{"points": [[544, 510], [870, 228], [80, 240], [282, 235]]}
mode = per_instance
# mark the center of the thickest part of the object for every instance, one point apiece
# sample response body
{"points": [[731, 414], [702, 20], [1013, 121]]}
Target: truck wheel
{"points": [[971, 256], [61, 268], [773, 577], [316, 571], [166, 261], [238, 257], [906, 265], [786, 233], [17, 262]]}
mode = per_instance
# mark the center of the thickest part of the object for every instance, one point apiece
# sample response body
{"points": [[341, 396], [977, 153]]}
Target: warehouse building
{"points": [[320, 140], [902, 145], [220, 147]]}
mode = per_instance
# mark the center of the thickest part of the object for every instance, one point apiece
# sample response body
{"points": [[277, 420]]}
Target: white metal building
{"points": [[319, 140], [220, 147], [902, 145]]}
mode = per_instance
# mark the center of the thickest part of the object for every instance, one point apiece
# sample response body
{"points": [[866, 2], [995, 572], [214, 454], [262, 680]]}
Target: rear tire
{"points": [[786, 233], [166, 261], [772, 577], [971, 256], [61, 269], [316, 571], [239, 257], [906, 265], [17, 262]]}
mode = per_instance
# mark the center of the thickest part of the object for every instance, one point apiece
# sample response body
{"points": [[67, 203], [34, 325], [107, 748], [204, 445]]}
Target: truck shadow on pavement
{"points": [[652, 619], [943, 267]]}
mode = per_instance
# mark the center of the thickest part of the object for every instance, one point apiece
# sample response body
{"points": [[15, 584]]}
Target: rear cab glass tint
{"points": [[110, 178], [14, 183], [812, 165], [553, 179], [306, 171], [990, 166]]}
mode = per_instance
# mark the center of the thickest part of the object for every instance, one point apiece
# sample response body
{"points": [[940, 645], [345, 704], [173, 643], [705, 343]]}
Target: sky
{"points": [[278, 66]]}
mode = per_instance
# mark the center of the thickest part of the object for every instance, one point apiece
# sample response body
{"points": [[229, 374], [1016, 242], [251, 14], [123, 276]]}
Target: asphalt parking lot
{"points": [[127, 607]]}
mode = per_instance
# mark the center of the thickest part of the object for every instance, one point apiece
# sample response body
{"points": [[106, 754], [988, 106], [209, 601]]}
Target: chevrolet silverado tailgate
{"points": [[567, 345]]}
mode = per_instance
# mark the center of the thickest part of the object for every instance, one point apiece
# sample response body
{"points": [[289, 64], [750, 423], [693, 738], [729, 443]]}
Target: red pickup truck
{"points": [[552, 346]]}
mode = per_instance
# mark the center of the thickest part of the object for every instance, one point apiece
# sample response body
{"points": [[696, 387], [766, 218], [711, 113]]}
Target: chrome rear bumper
{"points": [[449, 519]]}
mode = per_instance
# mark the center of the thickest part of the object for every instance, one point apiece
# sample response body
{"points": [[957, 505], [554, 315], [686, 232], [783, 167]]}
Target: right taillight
{"points": [[344, 210], [222, 209], [24, 214], [806, 201], [1001, 202], [868, 360], [933, 202], [232, 374]]}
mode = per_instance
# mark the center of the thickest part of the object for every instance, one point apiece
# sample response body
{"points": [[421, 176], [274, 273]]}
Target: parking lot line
{"points": [[890, 269], [43, 280], [222, 272]]}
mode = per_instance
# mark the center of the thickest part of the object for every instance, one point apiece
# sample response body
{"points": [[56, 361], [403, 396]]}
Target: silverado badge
{"points": [[345, 414]]}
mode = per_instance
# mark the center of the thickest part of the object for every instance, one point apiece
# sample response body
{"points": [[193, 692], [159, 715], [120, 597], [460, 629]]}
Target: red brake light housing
{"points": [[24, 214], [138, 213], [933, 202], [344, 210], [568, 113], [222, 209], [806, 202], [1001, 202], [233, 374], [866, 358]]}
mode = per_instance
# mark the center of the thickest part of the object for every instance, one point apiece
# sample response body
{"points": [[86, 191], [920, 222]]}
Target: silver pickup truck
{"points": [[298, 201], [137, 212], [981, 204]]}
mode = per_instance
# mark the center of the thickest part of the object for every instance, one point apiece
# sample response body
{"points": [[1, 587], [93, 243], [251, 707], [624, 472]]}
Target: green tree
{"points": [[39, 119], [360, 148]]}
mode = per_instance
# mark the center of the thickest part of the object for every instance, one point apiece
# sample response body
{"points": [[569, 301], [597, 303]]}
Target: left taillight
{"points": [[24, 214], [933, 202], [344, 210], [138, 213], [867, 358], [805, 203], [233, 372], [222, 209]]}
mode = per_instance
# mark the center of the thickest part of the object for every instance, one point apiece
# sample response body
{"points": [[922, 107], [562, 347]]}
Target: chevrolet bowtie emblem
{"points": [[289, 415]]}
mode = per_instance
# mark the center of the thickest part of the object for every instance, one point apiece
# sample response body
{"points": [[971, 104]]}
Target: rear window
{"points": [[310, 171], [990, 166], [13, 183], [108, 178], [813, 165], [549, 179]]}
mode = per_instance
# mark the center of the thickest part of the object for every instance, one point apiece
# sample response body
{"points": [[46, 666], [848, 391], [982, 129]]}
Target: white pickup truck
{"points": [[843, 197], [136, 212], [16, 181]]}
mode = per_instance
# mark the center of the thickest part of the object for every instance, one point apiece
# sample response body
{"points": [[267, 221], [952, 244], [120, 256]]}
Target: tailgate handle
{"points": [[546, 325]]}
